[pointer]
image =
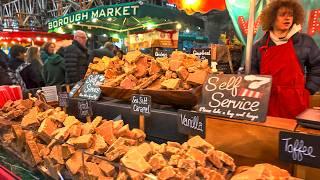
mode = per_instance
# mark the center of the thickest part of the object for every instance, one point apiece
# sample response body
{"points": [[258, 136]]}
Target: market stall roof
{"points": [[125, 17]]}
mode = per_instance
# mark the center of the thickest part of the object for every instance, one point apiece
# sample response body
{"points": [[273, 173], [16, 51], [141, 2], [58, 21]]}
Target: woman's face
{"points": [[284, 19], [51, 48]]}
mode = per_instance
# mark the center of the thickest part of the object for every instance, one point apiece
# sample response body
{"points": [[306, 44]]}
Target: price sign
{"points": [[63, 99], [299, 148], [141, 104], [84, 107], [191, 123], [50, 93], [91, 88], [236, 96]]}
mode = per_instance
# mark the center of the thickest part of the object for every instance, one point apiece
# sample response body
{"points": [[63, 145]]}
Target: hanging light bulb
{"points": [[19, 39], [94, 20], [104, 35], [45, 39], [70, 26], [109, 19], [187, 30], [53, 40], [29, 39], [38, 38], [89, 35], [179, 26]]}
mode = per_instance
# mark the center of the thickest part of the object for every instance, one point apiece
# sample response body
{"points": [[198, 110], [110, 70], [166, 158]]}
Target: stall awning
{"points": [[124, 17]]}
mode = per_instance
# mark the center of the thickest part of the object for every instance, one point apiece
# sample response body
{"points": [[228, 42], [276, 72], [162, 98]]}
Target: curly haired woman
{"points": [[288, 56]]}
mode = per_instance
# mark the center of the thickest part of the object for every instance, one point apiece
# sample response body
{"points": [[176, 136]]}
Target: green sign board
{"points": [[99, 12]]}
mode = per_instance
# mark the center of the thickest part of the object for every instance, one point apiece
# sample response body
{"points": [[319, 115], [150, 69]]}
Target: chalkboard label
{"points": [[141, 104], [84, 107], [244, 97], [50, 93], [191, 123], [90, 89], [63, 99], [299, 148], [202, 53], [75, 88], [161, 54]]}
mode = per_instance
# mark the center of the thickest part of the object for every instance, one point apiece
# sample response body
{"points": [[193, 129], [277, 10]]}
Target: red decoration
{"points": [[202, 6], [314, 23], [243, 24]]}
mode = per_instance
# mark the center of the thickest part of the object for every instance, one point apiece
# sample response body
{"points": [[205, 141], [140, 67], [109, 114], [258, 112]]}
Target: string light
{"points": [[94, 20], [53, 40], [104, 35], [70, 26], [89, 35], [38, 38], [187, 30], [109, 19], [179, 26], [29, 39], [19, 39], [45, 39]]}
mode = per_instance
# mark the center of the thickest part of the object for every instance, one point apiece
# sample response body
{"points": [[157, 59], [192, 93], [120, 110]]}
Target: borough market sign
{"points": [[99, 12]]}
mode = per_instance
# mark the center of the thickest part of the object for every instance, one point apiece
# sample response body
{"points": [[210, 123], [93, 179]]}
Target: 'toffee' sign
{"points": [[141, 104], [299, 148], [191, 123]]}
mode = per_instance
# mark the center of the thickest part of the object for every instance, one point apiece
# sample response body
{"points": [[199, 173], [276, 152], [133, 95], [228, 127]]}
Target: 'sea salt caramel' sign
{"points": [[191, 123], [141, 104], [91, 88], [243, 97], [299, 148]]}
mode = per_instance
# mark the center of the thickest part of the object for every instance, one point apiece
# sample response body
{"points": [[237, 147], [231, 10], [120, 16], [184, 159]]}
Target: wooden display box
{"points": [[247, 142]]}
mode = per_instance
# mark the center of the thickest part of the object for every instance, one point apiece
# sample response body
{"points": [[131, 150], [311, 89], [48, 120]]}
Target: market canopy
{"points": [[125, 17]]}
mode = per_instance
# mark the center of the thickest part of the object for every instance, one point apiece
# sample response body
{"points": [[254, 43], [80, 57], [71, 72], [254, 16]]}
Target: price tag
{"points": [[63, 99], [141, 104], [50, 93], [84, 107], [299, 148], [191, 123]]}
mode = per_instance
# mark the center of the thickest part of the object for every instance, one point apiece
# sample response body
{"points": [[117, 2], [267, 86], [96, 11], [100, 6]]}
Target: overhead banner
{"points": [[165, 39], [239, 13], [98, 12]]}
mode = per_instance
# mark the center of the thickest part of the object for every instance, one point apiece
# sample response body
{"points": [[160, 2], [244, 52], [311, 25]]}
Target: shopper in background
{"points": [[36, 65], [120, 54], [107, 50], [285, 54], [47, 50], [54, 70], [4, 74], [76, 58], [60, 51], [4, 57]]}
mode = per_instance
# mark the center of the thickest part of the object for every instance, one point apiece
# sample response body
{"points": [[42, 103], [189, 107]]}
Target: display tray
{"points": [[118, 93], [174, 97], [180, 98]]}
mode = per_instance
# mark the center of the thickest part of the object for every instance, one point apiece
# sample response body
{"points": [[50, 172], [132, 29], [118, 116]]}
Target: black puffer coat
{"points": [[307, 52], [76, 62]]}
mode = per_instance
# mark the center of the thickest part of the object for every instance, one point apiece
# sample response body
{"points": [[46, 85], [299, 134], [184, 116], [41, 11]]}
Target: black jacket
{"points": [[4, 74], [307, 52], [100, 53], [54, 70], [76, 61], [31, 75]]}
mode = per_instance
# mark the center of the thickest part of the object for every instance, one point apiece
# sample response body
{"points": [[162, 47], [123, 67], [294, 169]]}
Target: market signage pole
{"points": [[250, 37]]}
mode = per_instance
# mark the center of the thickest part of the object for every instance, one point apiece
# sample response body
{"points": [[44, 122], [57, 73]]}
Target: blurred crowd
{"points": [[35, 67]]}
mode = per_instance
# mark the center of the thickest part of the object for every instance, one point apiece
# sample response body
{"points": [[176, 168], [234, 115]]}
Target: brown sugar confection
{"points": [[171, 84], [75, 130], [74, 163], [93, 170], [34, 151], [142, 67], [128, 83], [197, 78], [99, 145], [132, 56], [147, 82], [183, 73], [46, 130], [154, 68], [163, 63], [214, 158], [83, 142], [157, 162], [107, 168], [67, 151], [199, 143], [70, 120], [106, 131], [56, 154], [174, 65], [30, 120], [197, 155], [167, 173]]}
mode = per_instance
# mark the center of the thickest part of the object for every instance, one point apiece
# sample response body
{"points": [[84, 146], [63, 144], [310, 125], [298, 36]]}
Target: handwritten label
{"points": [[161, 54], [141, 104], [191, 123], [299, 148], [84, 107], [50, 93], [242, 97], [63, 99], [202, 53], [75, 88], [90, 89]]}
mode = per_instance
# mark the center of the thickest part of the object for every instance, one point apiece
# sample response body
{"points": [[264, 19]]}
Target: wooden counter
{"points": [[248, 142]]}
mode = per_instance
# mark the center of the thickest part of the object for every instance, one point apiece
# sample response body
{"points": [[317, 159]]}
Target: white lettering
{"points": [[95, 14], [298, 149], [126, 11], [110, 12], [134, 10], [117, 11]]}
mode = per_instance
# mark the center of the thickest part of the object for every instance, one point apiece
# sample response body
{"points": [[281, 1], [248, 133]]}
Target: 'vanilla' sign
{"points": [[299, 148], [191, 123], [243, 97]]}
